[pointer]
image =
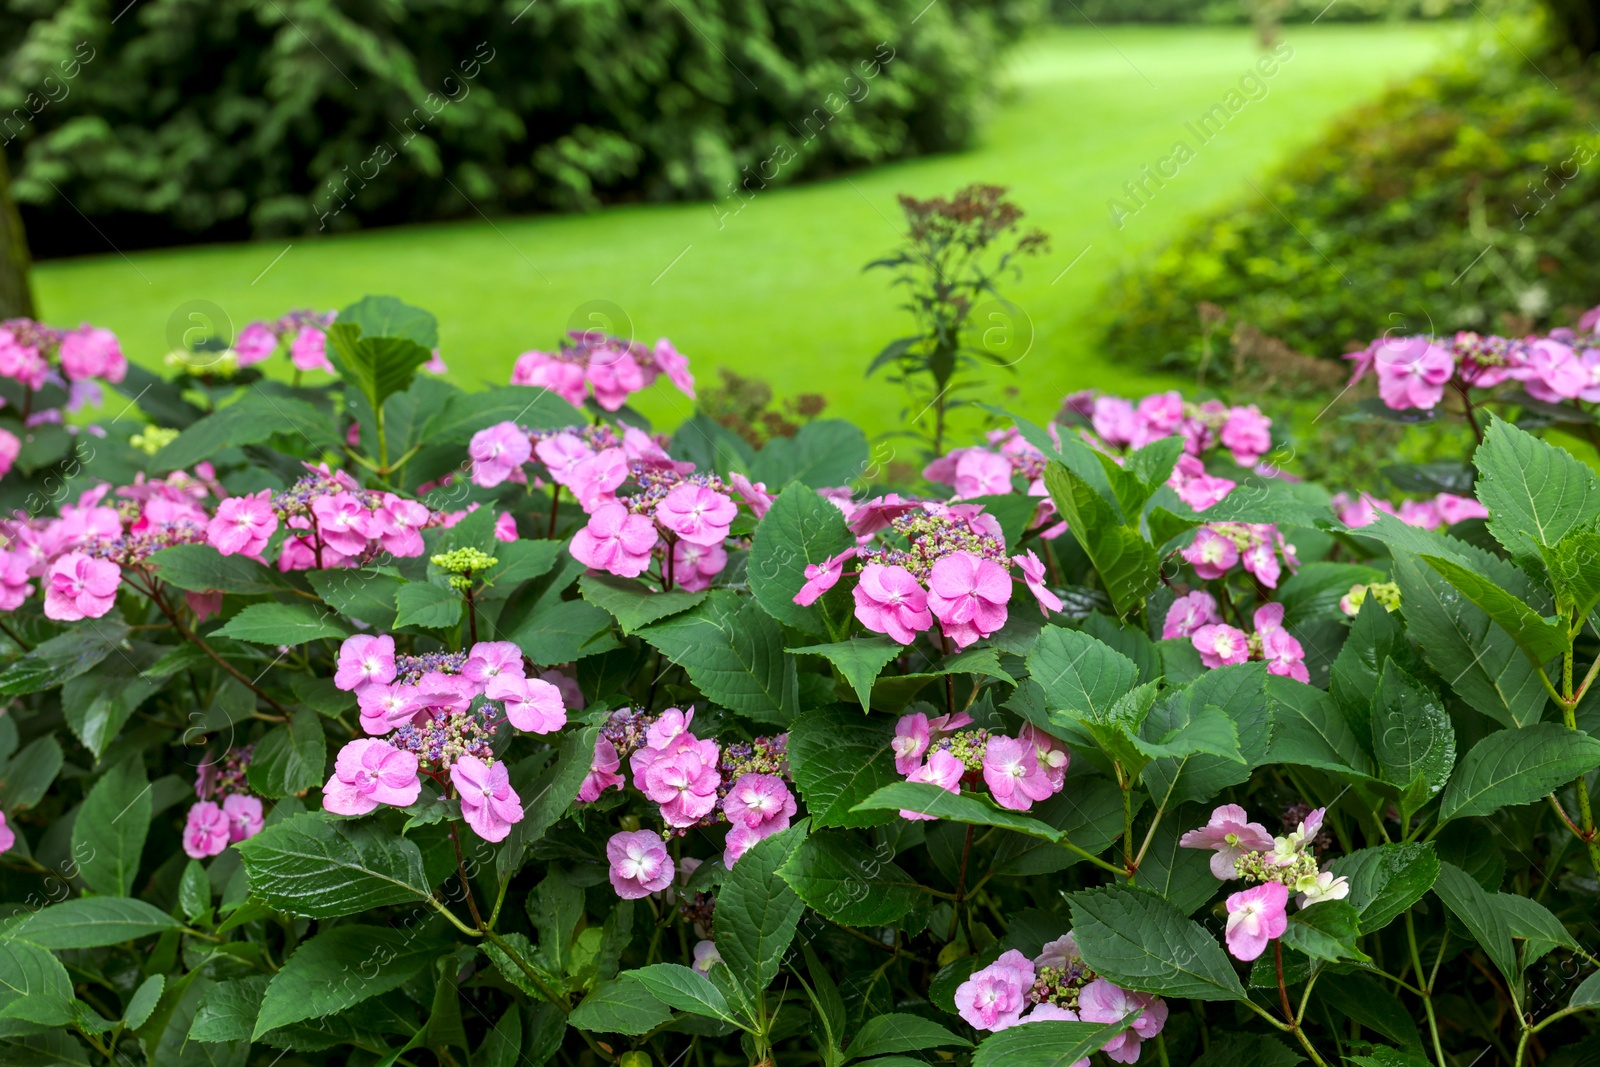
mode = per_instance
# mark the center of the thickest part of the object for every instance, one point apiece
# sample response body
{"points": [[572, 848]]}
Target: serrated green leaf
{"points": [[93, 922], [283, 624], [1140, 941], [1326, 930], [1468, 901], [800, 528], [849, 883], [1515, 767], [340, 967], [859, 659], [1536, 493], [838, 759], [733, 652], [109, 833], [1128, 565], [290, 759], [757, 913], [1413, 740], [621, 1006], [634, 604], [1539, 638], [314, 865], [678, 987], [425, 605], [900, 1032], [1385, 880]]}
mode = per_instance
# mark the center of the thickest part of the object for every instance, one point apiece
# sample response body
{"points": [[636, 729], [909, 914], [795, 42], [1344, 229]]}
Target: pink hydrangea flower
{"points": [[369, 772], [615, 541], [8, 837], [243, 524], [1230, 834], [684, 783], [602, 772], [79, 587], [1211, 554], [498, 452], [821, 577], [995, 997], [255, 343], [398, 526], [614, 375], [1261, 560], [1012, 772], [14, 585], [365, 659], [889, 600], [979, 472], [310, 350], [560, 376], [1412, 372], [1188, 613], [383, 707], [1255, 917], [1423, 514], [753, 494], [1284, 655], [675, 365], [911, 739], [758, 806], [90, 352], [1032, 569], [968, 595], [1053, 756], [10, 449], [694, 566], [532, 705], [1247, 434], [488, 803], [1114, 420], [640, 864], [1195, 486], [1102, 1002], [244, 816], [696, 513], [205, 832], [1552, 372], [561, 453], [343, 522], [1220, 645], [1453, 509], [489, 660], [942, 770], [593, 480]]}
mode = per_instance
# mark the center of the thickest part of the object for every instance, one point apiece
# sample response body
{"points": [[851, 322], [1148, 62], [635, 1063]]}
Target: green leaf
{"points": [[1047, 1043], [1128, 565], [1588, 992], [549, 798], [757, 913], [1078, 674], [1412, 737], [388, 316], [1385, 880], [562, 631], [283, 624], [1326, 930], [733, 652], [822, 453], [634, 604], [1530, 921], [99, 703], [1540, 639], [425, 605], [848, 882], [1536, 493], [109, 832], [313, 865], [143, 1001], [1515, 767], [378, 367], [621, 1006], [900, 1032], [1468, 901], [194, 890], [927, 799], [30, 773], [201, 568], [1181, 875], [678, 987], [801, 528], [340, 967], [256, 418], [1140, 941], [1309, 730], [54, 661], [93, 922], [1088, 813], [519, 562], [34, 987], [1367, 1001], [1240, 690], [365, 595], [839, 758], [291, 758], [860, 659], [1207, 730], [1570, 565]]}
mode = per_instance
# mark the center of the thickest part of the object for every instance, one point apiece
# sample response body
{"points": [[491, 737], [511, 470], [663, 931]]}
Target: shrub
{"points": [[241, 119], [366, 719], [1242, 11], [1460, 198]]}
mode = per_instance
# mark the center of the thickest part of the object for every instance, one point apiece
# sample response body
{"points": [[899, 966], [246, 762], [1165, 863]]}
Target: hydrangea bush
{"points": [[365, 720]]}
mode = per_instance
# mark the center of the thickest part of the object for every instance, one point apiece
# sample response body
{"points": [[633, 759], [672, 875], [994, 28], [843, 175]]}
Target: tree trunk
{"points": [[16, 298]]}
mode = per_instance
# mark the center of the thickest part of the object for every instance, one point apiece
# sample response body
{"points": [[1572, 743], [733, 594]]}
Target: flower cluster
{"points": [[1057, 985], [1280, 866], [683, 518], [1220, 546], [437, 715], [952, 567], [1444, 509], [1018, 771], [304, 332], [610, 368], [37, 356], [693, 782], [1413, 372], [339, 523], [1195, 616], [226, 812], [1122, 424], [990, 471], [1385, 593]]}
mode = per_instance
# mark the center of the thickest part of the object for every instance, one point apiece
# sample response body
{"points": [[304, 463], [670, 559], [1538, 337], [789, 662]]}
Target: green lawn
{"points": [[777, 290]]}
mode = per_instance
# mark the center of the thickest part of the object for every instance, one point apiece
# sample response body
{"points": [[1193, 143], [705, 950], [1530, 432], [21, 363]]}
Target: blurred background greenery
{"points": [[719, 172]]}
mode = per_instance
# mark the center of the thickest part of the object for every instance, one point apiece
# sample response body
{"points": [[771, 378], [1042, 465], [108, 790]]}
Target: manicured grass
{"points": [[776, 290]]}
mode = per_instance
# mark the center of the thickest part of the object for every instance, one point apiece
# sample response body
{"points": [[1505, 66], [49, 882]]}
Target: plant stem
{"points": [[466, 885], [1426, 989], [199, 642], [555, 509], [1569, 705], [1283, 990]]}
